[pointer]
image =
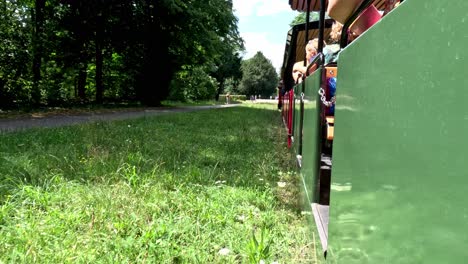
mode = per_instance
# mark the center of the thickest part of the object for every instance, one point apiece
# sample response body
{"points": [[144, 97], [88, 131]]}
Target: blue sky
{"points": [[263, 24]]}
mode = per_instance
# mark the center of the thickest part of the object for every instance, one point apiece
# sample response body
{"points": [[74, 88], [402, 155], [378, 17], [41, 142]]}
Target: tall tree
{"points": [[98, 44], [89, 22], [37, 43], [158, 67], [76, 41], [190, 32], [258, 76]]}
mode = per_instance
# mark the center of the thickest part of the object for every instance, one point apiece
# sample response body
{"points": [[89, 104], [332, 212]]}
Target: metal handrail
{"points": [[307, 29], [321, 26]]}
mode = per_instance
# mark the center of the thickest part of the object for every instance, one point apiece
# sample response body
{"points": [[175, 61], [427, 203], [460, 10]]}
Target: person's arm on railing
{"points": [[314, 62]]}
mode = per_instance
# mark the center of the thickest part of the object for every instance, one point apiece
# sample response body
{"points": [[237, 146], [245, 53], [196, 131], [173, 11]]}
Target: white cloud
{"points": [[245, 8], [259, 28], [255, 42], [273, 7]]}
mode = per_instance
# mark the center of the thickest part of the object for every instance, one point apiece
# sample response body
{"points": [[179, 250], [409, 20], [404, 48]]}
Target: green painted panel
{"points": [[297, 117], [399, 179], [310, 156]]}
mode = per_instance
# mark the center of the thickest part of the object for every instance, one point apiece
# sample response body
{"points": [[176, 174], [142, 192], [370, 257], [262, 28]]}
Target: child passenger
{"points": [[299, 69]]}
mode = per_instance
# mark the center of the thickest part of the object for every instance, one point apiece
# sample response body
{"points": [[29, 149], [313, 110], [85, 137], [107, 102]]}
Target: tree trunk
{"points": [[82, 75], [99, 59], [220, 89], [38, 15], [157, 68], [4, 99]]}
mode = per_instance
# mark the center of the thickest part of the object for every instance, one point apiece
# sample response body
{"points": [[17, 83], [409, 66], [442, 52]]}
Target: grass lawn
{"points": [[199, 187]]}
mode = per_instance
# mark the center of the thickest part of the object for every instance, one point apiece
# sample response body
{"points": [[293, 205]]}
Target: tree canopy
{"points": [[64, 51], [301, 18]]}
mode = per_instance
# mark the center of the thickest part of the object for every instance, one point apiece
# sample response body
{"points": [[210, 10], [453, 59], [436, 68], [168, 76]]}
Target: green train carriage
{"points": [[391, 186]]}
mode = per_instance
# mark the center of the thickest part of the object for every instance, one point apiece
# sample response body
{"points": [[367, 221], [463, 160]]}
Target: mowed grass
{"points": [[199, 187]]}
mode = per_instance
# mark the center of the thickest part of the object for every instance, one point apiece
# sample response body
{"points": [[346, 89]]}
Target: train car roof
{"points": [[314, 5]]}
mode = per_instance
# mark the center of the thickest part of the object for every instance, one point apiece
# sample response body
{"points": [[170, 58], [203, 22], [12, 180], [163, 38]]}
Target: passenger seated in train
{"points": [[341, 10], [300, 68], [332, 49]]}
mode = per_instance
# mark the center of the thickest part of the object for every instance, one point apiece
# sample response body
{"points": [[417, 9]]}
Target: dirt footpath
{"points": [[10, 125]]}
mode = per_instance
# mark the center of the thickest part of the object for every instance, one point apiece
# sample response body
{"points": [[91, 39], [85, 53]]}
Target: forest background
{"points": [[68, 52]]}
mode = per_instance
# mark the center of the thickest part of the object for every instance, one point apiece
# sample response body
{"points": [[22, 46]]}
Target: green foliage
{"points": [[57, 84], [259, 249], [15, 54], [228, 71], [193, 84], [119, 80], [259, 76], [231, 85], [301, 18], [190, 33], [67, 39]]}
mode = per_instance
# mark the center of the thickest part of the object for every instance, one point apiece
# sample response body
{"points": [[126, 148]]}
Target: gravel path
{"points": [[10, 125]]}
